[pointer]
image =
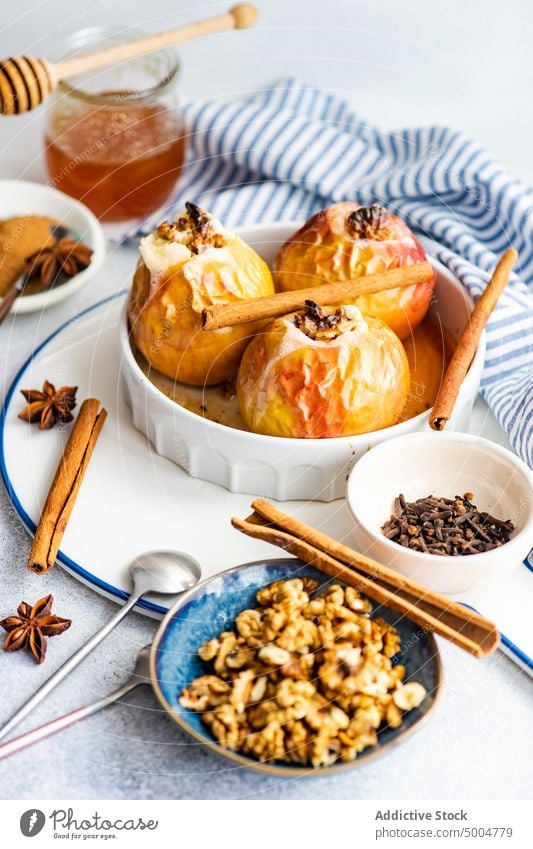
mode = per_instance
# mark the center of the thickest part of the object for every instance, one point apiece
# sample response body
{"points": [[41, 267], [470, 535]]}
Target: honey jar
{"points": [[113, 138]]}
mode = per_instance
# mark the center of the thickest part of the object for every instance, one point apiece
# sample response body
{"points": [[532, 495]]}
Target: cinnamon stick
{"points": [[427, 608], [467, 345], [413, 590], [65, 486], [271, 306]]}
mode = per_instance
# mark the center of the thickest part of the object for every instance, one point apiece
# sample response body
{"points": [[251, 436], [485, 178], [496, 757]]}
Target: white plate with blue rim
{"points": [[133, 500]]}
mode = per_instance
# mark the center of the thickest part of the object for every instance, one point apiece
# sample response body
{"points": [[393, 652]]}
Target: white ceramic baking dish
{"points": [[276, 467]]}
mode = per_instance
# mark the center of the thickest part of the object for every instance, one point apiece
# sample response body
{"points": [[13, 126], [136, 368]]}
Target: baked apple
{"points": [[322, 373], [184, 267], [347, 240]]}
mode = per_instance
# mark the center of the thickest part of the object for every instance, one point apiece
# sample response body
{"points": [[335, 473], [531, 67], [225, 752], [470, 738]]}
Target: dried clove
{"points": [[445, 526]]}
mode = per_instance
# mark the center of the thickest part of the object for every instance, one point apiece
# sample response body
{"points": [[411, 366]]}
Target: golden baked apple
{"points": [[347, 240], [323, 373], [184, 267]]}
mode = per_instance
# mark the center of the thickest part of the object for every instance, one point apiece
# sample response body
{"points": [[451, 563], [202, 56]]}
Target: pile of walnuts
{"points": [[303, 680]]}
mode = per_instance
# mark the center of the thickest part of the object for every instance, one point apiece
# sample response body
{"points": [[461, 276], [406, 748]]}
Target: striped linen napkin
{"points": [[288, 151]]}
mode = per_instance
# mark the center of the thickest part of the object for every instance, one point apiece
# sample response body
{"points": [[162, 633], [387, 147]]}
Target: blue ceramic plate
{"points": [[211, 607]]}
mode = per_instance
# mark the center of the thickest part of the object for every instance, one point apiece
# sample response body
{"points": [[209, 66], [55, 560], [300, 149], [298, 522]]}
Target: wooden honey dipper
{"points": [[26, 82]]}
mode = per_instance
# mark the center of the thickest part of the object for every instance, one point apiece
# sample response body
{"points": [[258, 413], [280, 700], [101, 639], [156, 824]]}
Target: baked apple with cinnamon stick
{"points": [[323, 373], [185, 266], [347, 240]]}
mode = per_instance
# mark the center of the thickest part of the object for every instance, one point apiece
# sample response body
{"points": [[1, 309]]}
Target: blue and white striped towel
{"points": [[289, 151]]}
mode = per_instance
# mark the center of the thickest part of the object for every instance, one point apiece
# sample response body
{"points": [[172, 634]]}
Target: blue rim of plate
{"points": [[71, 565]]}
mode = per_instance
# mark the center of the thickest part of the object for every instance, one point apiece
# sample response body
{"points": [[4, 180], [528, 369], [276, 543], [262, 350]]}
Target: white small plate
{"points": [[21, 198]]}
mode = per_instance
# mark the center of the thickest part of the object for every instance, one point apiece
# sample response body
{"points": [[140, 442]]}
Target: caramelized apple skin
{"points": [[326, 250], [290, 385], [165, 313]]}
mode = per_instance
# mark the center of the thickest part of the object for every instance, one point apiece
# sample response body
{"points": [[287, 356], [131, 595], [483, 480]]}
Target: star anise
{"points": [[49, 406], [31, 627], [64, 258]]}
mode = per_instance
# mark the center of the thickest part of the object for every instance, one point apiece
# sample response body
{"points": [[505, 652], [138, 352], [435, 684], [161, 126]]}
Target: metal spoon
{"points": [[140, 675], [164, 572]]}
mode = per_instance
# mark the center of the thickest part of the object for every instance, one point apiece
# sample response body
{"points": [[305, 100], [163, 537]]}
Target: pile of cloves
{"points": [[445, 526]]}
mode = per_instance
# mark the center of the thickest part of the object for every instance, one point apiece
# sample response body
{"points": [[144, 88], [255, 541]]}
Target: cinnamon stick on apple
{"points": [[65, 486], [326, 294]]}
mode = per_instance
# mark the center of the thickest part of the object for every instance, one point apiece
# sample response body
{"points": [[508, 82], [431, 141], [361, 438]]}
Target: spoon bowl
{"points": [[164, 572]]}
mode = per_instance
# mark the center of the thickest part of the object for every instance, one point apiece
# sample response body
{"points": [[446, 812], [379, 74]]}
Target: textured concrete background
{"points": [[468, 64]]}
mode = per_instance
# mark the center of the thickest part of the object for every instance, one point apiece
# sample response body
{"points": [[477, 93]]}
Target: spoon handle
{"points": [[9, 299], [49, 728], [68, 666]]}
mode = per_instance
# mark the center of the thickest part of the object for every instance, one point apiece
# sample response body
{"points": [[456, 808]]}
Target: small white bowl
{"points": [[18, 197], [271, 466], [442, 464]]}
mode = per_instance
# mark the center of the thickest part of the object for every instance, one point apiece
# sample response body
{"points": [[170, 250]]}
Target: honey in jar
{"points": [[114, 141]]}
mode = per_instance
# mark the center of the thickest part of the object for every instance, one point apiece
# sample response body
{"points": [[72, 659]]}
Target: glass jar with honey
{"points": [[113, 138]]}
